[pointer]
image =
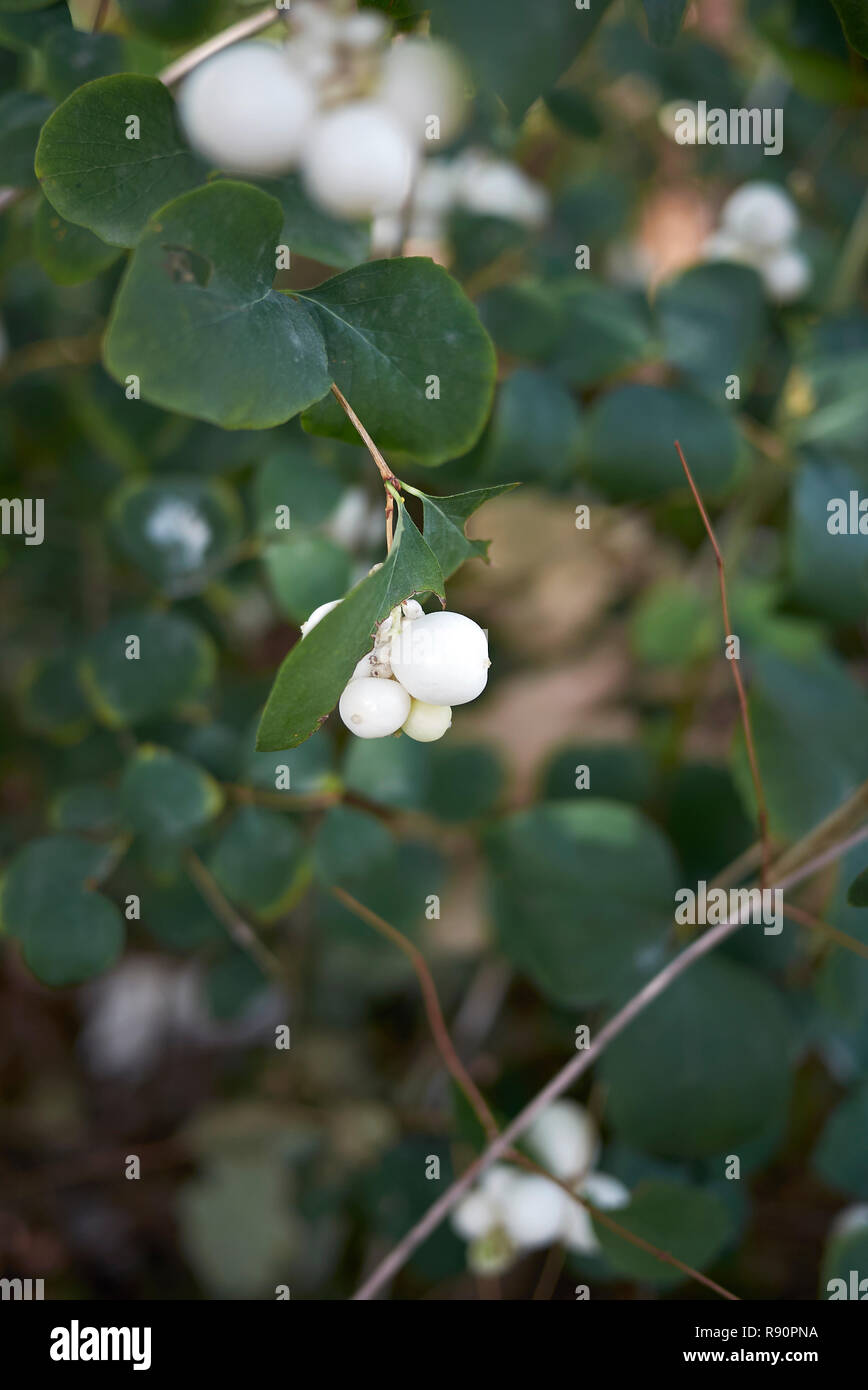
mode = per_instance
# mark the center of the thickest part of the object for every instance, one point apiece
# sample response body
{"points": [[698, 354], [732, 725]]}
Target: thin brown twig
{"points": [[840, 938], [569, 1074], [762, 811], [474, 1096], [238, 928], [102, 10], [388, 477]]}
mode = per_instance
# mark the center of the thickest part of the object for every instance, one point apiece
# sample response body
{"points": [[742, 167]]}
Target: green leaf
{"points": [[88, 807], [828, 573], [175, 666], [516, 57], [68, 933], [713, 318], [178, 530], [94, 176], [857, 893], [352, 848], [306, 570], [854, 22], [71, 59], [606, 331], [525, 319], [67, 253], [21, 118], [690, 1223], [535, 428], [809, 763], [565, 911], [630, 443], [700, 1069], [617, 772], [197, 321], [465, 781], [390, 326], [178, 916], [840, 1156], [311, 679], [51, 700], [444, 520], [664, 19], [167, 20], [167, 796], [310, 231], [260, 862], [388, 771]]}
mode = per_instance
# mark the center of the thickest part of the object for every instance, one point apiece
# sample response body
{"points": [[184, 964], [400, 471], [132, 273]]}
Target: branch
{"points": [[475, 1097], [840, 938], [762, 812], [240, 931], [242, 30], [570, 1073], [390, 482]]}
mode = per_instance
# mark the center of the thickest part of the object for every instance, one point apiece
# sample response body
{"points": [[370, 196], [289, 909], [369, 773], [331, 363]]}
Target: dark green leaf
{"points": [[857, 893], [259, 862], [177, 531], [21, 118], [444, 520], [168, 20], [854, 21], [67, 253], [175, 666], [97, 177], [310, 231], [565, 911], [311, 679], [71, 59], [390, 327], [702, 1067], [167, 796], [713, 317], [196, 319], [688, 1222], [306, 570], [841, 1157]]}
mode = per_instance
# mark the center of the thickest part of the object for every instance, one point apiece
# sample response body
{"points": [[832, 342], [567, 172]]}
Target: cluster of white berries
{"points": [[758, 226], [421, 664], [338, 101], [511, 1211]]}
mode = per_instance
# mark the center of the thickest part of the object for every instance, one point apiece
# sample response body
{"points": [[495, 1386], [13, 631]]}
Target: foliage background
{"points": [[264, 1167]]}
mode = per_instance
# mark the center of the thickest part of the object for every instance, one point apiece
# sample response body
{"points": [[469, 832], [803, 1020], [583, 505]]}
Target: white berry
{"points": [[761, 214], [421, 78], [373, 708], [317, 616], [359, 160], [246, 111], [427, 723], [786, 275], [496, 188], [441, 658]]}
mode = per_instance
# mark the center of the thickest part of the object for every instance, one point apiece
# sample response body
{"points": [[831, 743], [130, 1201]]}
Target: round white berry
{"points": [[760, 213], [364, 29], [421, 78], [496, 188], [441, 658], [786, 275], [534, 1211], [723, 246], [246, 111], [317, 616], [564, 1139], [426, 723], [359, 160], [373, 708], [412, 610]]}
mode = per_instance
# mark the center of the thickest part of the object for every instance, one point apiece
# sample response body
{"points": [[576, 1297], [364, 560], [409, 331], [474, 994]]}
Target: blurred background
{"points": [[149, 1031]]}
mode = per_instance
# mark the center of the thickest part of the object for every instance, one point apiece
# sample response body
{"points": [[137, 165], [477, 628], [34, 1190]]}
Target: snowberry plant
{"points": [[330, 850]]}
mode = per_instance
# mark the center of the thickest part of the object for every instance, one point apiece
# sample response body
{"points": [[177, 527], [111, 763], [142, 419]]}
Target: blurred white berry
{"points": [[364, 29], [441, 658], [426, 723], [564, 1139], [723, 246], [412, 609], [786, 274], [317, 616], [497, 188], [760, 213], [422, 78], [315, 21], [359, 161], [315, 61], [246, 111], [373, 708]]}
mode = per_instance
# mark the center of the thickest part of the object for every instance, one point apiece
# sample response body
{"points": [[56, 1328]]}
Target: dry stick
{"points": [[762, 812], [99, 17], [242, 30], [570, 1073], [240, 931], [388, 477], [477, 1101]]}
